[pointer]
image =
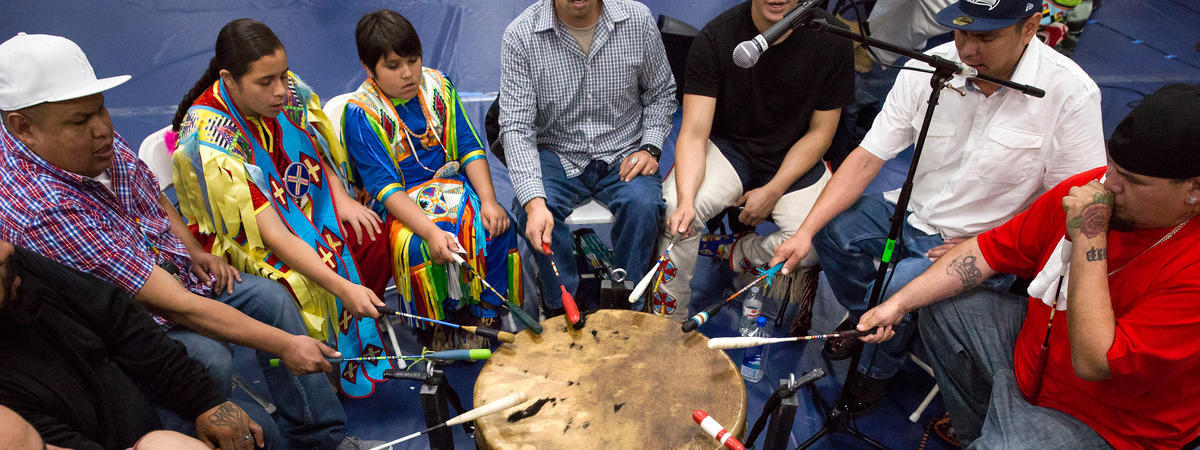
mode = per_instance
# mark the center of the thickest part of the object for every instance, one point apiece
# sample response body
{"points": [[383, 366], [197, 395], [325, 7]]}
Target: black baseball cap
{"points": [[986, 15], [1159, 137]]}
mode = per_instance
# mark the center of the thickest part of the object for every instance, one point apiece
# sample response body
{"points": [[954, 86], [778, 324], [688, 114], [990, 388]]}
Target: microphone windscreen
{"points": [[746, 54]]}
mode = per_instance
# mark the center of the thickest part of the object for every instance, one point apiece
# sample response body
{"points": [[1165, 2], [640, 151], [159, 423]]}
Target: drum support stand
{"points": [[780, 408], [436, 398]]}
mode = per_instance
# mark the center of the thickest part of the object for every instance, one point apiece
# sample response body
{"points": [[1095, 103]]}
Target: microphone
{"points": [[746, 54]]}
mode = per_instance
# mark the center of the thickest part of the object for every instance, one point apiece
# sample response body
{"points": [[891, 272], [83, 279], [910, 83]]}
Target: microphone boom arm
{"points": [[937, 62]]}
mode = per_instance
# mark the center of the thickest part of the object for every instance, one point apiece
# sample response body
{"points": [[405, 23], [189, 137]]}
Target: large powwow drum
{"points": [[627, 380]]}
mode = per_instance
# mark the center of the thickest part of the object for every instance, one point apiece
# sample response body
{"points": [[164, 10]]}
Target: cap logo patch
{"points": [[963, 20], [1028, 6], [990, 4]]}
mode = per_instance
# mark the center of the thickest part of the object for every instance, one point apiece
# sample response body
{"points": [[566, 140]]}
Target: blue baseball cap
{"points": [[986, 15]]}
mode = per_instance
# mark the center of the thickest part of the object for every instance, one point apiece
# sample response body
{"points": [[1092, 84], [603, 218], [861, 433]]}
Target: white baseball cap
{"points": [[39, 68]]}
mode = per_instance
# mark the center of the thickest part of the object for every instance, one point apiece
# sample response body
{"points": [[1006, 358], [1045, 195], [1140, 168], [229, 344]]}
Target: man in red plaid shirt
{"points": [[75, 192]]}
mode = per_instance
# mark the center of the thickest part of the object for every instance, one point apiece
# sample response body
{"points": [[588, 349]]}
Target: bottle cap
{"points": [[762, 321]]}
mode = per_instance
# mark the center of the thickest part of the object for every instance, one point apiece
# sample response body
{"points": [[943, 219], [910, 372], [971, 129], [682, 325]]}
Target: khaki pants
{"points": [[720, 189]]}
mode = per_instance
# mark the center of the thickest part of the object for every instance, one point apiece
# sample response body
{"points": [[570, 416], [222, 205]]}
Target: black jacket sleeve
{"points": [[136, 343]]}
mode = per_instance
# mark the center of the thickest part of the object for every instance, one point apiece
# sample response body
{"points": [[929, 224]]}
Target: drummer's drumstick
{"points": [[473, 354], [695, 321], [490, 408], [504, 303], [749, 341], [768, 274], [502, 336], [645, 283], [567, 300], [716, 431]]}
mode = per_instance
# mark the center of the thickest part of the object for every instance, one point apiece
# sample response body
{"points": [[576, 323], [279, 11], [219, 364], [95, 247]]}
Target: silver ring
{"points": [[248, 437], [633, 160]]}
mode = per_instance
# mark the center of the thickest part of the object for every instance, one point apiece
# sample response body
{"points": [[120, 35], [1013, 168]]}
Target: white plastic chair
{"points": [[153, 152]]}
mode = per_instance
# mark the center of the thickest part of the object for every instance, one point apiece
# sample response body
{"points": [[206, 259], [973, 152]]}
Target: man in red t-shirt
{"points": [[1103, 352]]}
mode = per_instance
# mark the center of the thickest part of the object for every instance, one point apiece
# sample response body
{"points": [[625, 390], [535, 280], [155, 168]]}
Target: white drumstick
{"points": [[645, 283], [743, 342], [490, 408], [751, 341]]}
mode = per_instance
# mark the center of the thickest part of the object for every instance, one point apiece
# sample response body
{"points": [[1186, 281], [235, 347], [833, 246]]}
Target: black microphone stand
{"points": [[837, 418]]}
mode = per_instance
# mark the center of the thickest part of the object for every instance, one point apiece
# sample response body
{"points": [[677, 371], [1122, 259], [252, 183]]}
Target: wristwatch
{"points": [[652, 149]]}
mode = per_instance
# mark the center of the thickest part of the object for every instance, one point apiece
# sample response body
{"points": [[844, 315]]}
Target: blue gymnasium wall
{"points": [[166, 45]]}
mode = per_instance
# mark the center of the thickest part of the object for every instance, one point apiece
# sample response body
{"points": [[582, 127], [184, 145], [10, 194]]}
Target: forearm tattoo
{"points": [[1097, 254], [226, 415], [964, 268], [1094, 219]]}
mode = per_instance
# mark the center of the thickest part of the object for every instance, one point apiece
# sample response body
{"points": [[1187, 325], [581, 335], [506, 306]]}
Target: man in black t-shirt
{"points": [[751, 138]]}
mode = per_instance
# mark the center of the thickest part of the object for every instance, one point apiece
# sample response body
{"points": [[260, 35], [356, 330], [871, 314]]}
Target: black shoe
{"points": [[865, 393], [838, 349]]}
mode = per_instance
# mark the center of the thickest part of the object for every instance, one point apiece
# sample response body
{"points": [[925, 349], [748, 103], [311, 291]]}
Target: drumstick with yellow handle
{"points": [[474, 354], [750, 341], [502, 336], [490, 408], [572, 310], [645, 283]]}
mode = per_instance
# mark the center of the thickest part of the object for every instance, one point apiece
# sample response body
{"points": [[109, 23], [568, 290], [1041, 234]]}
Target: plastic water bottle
{"points": [[750, 311], [754, 359]]}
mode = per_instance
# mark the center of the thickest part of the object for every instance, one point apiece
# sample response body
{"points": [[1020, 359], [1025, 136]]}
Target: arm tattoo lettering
{"points": [[1097, 254], [226, 415], [964, 268]]}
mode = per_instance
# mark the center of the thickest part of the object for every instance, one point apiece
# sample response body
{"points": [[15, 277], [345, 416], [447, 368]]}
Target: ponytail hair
{"points": [[240, 43]]}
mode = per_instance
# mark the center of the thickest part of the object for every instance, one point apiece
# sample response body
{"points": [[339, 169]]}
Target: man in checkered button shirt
{"points": [[586, 98]]}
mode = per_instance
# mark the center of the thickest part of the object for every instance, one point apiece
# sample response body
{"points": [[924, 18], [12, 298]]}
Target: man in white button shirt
{"points": [[989, 153]]}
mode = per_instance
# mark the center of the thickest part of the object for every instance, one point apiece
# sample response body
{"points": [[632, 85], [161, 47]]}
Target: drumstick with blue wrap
{"points": [[701, 317], [502, 336], [490, 408]]}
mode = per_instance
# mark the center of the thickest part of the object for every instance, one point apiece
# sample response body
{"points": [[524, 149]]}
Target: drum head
{"points": [[627, 380]]}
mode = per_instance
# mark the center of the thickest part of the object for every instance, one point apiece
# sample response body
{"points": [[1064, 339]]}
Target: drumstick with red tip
{"points": [[716, 431], [567, 300], [490, 408], [749, 341]]}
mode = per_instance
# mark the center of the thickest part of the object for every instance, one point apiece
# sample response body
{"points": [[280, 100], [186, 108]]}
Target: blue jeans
{"points": [[309, 410], [848, 247], [637, 205], [971, 339]]}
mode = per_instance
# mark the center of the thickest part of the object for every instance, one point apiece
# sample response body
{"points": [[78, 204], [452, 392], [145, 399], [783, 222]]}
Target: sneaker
{"points": [[838, 349], [354, 443], [865, 393]]}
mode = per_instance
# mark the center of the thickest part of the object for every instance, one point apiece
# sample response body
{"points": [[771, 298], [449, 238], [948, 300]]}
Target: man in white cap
{"points": [[74, 191], [989, 152]]}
